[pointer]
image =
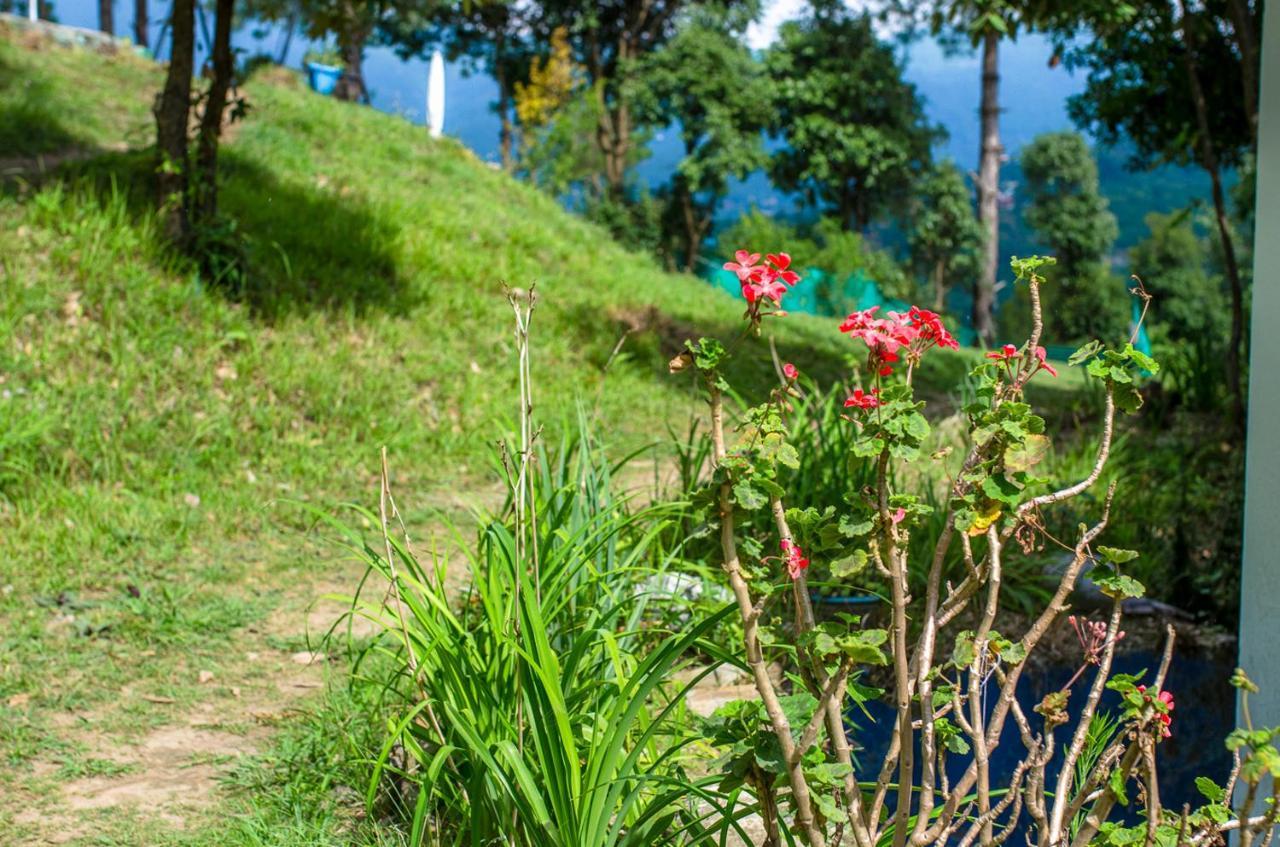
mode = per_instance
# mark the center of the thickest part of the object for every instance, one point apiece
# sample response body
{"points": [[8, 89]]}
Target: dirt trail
{"points": [[170, 774]]}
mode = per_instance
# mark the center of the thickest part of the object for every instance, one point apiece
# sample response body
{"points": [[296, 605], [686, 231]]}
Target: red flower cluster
{"points": [[794, 558], [863, 400], [1164, 717], [767, 281], [888, 337], [1008, 353]]}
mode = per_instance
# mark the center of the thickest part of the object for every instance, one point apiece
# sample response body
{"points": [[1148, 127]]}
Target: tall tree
{"points": [[857, 136], [609, 37], [173, 110], [1066, 208], [205, 188], [984, 23], [705, 82], [1169, 75], [140, 35], [945, 238]]}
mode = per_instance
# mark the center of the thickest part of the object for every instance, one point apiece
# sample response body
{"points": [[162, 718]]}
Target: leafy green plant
{"points": [[946, 702], [533, 705]]}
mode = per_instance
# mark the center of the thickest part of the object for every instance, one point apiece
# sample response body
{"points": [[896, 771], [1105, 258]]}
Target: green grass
{"points": [[157, 438]]}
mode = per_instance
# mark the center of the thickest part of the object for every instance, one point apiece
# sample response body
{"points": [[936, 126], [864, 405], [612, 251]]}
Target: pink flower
{"points": [[862, 400], [1004, 354], [745, 266], [794, 558], [766, 286], [898, 516], [790, 372], [916, 331], [1166, 719], [768, 281], [1044, 366], [782, 261]]}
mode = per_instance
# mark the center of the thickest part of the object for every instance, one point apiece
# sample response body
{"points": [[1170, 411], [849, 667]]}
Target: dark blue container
{"points": [[322, 78]]}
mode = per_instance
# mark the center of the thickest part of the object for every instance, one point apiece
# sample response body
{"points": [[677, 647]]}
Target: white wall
{"points": [[1260, 590]]}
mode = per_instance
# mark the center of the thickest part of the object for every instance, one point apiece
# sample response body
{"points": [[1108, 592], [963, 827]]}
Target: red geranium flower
{"points": [[1004, 354], [1166, 699], [862, 400], [745, 266], [767, 281], [794, 558], [1044, 366]]}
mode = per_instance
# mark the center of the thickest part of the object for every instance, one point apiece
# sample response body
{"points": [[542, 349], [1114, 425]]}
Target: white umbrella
{"points": [[435, 95]]}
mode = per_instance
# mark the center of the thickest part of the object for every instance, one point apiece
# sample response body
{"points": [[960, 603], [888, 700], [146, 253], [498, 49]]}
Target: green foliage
{"points": [[705, 80], [548, 710], [1137, 86], [1189, 321], [944, 236], [857, 138], [1066, 208]]}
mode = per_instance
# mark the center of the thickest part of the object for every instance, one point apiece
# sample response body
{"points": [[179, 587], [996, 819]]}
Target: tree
{"points": [[188, 185], [106, 17], [498, 37], [984, 23], [173, 110], [706, 82], [1067, 210], [205, 190], [1172, 78], [609, 38], [140, 34], [945, 238], [857, 137]]}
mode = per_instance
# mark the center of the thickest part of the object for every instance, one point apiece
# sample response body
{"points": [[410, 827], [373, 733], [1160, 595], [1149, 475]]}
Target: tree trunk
{"points": [[107, 17], [988, 190], [205, 192], [172, 111], [613, 136], [1242, 23], [351, 41], [1209, 161], [290, 27], [694, 227], [140, 35]]}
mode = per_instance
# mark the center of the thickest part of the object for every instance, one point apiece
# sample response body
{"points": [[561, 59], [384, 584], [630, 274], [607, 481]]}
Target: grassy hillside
{"points": [[157, 435]]}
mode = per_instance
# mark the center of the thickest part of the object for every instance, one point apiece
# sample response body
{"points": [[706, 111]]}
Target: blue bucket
{"points": [[322, 78]]}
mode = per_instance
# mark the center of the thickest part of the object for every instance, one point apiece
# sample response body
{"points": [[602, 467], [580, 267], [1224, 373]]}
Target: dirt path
{"points": [[166, 773]]}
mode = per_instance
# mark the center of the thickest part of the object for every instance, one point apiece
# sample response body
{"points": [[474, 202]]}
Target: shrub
{"points": [[952, 676]]}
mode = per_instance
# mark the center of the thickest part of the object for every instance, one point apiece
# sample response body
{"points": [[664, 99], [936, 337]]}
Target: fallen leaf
{"points": [[16, 701], [205, 676]]}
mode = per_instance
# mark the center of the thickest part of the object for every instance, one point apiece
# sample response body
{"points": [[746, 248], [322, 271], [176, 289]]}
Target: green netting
{"points": [[812, 292]]}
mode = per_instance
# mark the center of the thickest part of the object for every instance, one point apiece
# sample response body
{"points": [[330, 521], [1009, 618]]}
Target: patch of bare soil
{"points": [[169, 775]]}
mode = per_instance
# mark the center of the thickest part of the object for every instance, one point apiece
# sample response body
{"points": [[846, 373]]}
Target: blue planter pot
{"points": [[322, 78], [837, 600]]}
